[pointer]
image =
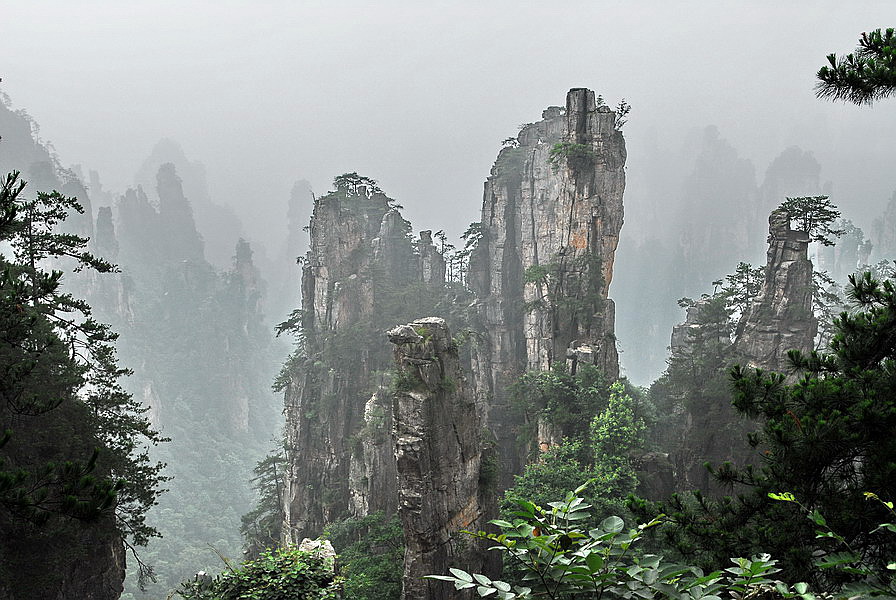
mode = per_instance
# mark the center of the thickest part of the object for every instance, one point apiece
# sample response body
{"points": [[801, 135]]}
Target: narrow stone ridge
{"points": [[437, 429], [780, 318], [551, 216]]}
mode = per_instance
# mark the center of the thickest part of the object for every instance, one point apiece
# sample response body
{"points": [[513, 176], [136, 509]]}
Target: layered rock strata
{"points": [[361, 275], [437, 432], [780, 318], [551, 216]]}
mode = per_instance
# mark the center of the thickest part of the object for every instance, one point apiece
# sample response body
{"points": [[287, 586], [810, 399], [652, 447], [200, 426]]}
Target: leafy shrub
{"points": [[371, 555], [554, 557], [284, 574], [578, 156]]}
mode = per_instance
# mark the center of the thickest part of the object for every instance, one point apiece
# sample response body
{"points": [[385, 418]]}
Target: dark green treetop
{"points": [[864, 76], [74, 443], [826, 437], [815, 215]]}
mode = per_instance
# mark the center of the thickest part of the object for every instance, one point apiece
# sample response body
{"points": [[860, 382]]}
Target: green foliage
{"points": [[74, 446], [827, 303], [559, 468], [554, 555], [862, 77], [603, 452], [567, 401], [261, 527], [578, 157], [617, 433], [285, 574], [371, 555], [696, 374], [815, 215], [838, 555], [622, 110], [826, 437], [741, 287], [350, 184]]}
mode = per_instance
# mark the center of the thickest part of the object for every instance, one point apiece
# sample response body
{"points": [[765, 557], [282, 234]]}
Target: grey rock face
{"points": [[360, 272], [439, 458], [324, 402], [541, 270], [683, 334], [551, 216], [780, 318]]}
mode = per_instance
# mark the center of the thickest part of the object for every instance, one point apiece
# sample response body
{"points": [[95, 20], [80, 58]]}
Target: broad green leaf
{"points": [[501, 524], [650, 576], [485, 591], [612, 524], [462, 575], [836, 559], [594, 561], [577, 516], [818, 518]]}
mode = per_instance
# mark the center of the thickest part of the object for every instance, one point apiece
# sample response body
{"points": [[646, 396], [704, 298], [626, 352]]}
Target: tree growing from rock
{"points": [[815, 215]]}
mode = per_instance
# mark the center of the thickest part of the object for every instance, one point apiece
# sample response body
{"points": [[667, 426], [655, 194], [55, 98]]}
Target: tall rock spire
{"points": [[551, 216], [780, 318]]}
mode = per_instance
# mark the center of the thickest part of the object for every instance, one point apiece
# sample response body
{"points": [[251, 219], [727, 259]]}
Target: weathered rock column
{"points": [[542, 266], [441, 488], [780, 318]]}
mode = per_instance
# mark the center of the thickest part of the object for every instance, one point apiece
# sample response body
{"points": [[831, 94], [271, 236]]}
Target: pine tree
{"points": [[827, 439], [73, 444], [864, 76]]}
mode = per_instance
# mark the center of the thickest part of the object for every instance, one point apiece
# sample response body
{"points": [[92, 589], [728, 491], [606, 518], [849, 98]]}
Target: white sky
{"points": [[418, 95]]}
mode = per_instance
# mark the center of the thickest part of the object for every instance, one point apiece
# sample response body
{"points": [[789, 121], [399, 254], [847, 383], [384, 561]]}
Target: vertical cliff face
{"points": [[780, 318], [362, 274], [324, 395], [551, 216], [439, 458], [540, 270]]}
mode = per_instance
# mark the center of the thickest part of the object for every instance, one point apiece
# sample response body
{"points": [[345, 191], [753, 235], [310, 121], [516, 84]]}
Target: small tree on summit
{"points": [[814, 215], [864, 76]]}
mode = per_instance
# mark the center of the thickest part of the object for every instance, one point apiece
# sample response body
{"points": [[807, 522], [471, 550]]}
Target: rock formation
{"points": [[441, 488], [203, 362], [540, 268], [551, 216], [700, 424], [780, 318], [361, 275], [218, 223]]}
